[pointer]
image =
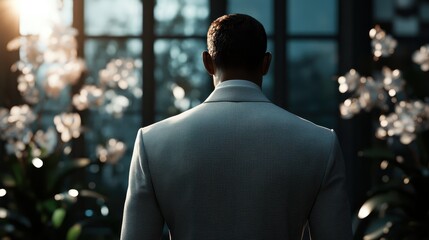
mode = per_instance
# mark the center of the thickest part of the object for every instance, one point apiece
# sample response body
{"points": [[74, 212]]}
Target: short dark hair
{"points": [[237, 41]]}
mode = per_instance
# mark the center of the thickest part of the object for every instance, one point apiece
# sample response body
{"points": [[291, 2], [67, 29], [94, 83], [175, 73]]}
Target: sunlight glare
{"points": [[35, 15]]}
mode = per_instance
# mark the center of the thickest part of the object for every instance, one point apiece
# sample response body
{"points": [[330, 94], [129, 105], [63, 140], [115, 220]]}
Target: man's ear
{"points": [[266, 63], [208, 63]]}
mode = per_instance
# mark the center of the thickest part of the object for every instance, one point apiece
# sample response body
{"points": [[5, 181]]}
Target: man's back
{"points": [[239, 167], [236, 166]]}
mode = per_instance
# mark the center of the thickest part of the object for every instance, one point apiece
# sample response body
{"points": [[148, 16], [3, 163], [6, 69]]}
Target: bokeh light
{"points": [[37, 162], [3, 192]]}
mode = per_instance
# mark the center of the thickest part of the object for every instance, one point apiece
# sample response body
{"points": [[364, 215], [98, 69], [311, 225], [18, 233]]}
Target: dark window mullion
{"points": [[79, 24], [217, 8], [148, 105], [280, 65], [79, 146]]}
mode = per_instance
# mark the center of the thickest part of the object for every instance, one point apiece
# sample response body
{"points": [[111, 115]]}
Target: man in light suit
{"points": [[236, 166]]}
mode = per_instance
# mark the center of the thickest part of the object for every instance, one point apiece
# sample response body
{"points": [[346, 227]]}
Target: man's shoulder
{"points": [[268, 115], [302, 130], [297, 122], [170, 122]]}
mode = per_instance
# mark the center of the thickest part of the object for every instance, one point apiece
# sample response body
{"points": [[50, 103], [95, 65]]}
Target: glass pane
{"points": [[112, 119], [262, 10], [183, 17], [113, 175], [99, 52], [51, 91], [312, 16], [384, 10], [113, 17], [406, 26], [181, 80], [312, 88], [123, 129], [424, 10], [119, 104]]}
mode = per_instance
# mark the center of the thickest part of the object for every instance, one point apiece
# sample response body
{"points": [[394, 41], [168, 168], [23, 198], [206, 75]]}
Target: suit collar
{"points": [[237, 91], [238, 83]]}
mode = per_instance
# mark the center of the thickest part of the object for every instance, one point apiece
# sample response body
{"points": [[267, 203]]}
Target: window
{"points": [[407, 18], [112, 36], [302, 79], [312, 35], [181, 81]]}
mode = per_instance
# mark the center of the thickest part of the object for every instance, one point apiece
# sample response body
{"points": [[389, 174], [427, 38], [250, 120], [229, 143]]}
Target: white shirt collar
{"points": [[237, 83]]}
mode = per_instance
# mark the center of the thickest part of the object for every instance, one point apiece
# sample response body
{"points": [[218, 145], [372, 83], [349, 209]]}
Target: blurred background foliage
{"points": [[396, 206]]}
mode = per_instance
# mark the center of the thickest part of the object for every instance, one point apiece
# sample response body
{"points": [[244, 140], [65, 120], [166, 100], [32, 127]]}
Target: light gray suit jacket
{"points": [[236, 167]]}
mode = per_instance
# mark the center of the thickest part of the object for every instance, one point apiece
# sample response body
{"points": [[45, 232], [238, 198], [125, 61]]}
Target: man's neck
{"points": [[226, 75]]}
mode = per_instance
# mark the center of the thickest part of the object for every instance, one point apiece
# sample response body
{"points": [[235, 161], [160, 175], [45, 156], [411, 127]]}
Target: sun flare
{"points": [[35, 15]]}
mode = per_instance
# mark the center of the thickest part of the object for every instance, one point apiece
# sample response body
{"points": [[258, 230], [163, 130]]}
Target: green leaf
{"points": [[74, 232], [65, 168], [18, 174], [50, 205], [8, 180], [10, 216], [377, 229], [389, 226], [383, 200], [58, 217], [92, 194]]}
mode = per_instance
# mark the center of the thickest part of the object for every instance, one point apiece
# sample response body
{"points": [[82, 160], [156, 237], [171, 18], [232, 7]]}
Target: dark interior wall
{"points": [[9, 27], [355, 134]]}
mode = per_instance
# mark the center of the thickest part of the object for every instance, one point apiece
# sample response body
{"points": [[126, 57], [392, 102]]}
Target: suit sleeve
{"points": [[142, 217], [330, 216]]}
